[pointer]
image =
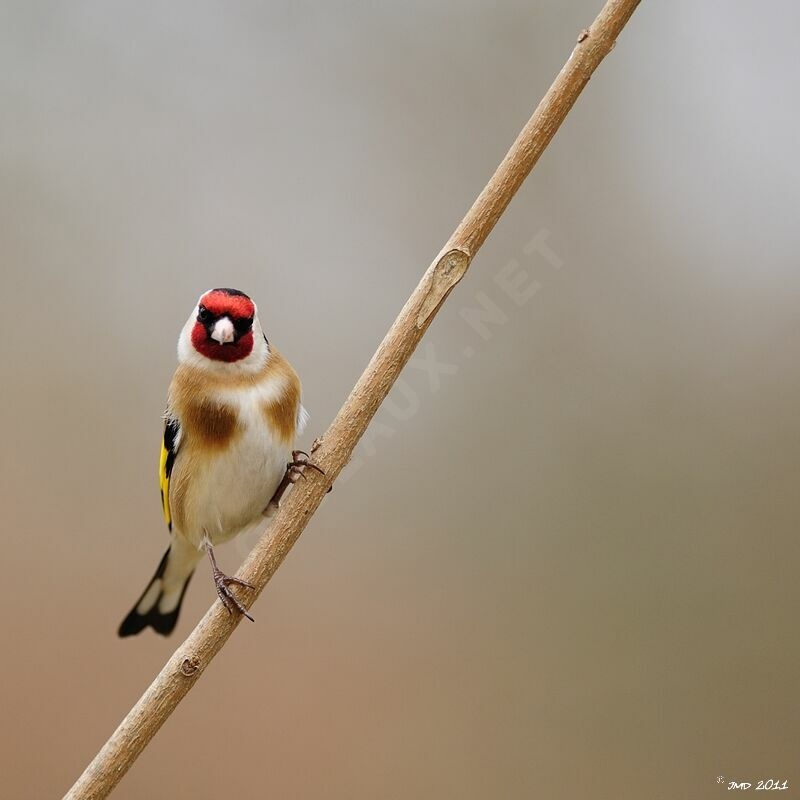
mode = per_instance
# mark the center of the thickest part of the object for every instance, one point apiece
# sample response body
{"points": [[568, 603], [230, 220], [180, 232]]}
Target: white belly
{"points": [[229, 493]]}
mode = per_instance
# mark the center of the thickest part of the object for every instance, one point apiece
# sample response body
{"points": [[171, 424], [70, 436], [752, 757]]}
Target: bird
{"points": [[234, 409]]}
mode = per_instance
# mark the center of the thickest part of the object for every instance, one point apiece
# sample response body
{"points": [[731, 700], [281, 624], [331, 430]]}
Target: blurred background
{"points": [[564, 561]]}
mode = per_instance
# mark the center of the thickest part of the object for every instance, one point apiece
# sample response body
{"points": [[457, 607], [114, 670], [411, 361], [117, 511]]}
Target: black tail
{"points": [[147, 611]]}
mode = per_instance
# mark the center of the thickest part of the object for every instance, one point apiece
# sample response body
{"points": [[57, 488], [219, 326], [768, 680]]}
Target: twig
{"points": [[188, 662]]}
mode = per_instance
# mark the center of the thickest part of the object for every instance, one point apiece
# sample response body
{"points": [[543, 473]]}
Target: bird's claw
{"points": [[296, 468], [228, 598]]}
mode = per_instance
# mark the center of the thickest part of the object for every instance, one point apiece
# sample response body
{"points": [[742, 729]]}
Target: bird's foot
{"points": [[228, 598], [295, 470]]}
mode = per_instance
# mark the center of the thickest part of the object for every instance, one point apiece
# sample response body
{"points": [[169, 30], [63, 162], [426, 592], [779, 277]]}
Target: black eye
{"points": [[243, 325], [203, 314]]}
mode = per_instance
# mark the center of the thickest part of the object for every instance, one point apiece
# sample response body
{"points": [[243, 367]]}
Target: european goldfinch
{"points": [[227, 456]]}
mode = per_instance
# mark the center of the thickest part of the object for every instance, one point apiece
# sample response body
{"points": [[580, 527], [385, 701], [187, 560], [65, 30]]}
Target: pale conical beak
{"points": [[222, 331]]}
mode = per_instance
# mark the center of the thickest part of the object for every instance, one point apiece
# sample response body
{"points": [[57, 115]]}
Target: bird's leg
{"points": [[223, 581], [295, 470]]}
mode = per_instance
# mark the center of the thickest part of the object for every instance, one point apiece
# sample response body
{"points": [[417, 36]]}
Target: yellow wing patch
{"points": [[163, 482], [169, 446]]}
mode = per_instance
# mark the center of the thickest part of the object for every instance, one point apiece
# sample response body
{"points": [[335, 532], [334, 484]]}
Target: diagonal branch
{"points": [[188, 662]]}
